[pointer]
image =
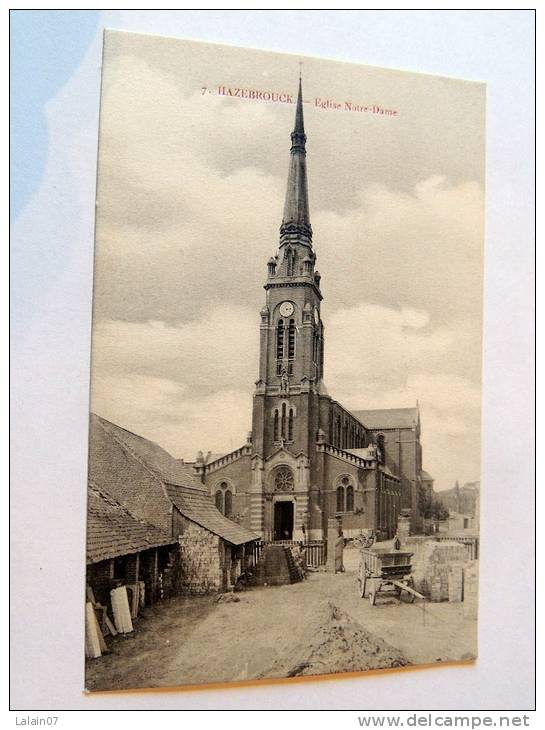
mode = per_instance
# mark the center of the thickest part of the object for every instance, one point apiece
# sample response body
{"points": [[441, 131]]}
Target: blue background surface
{"points": [[46, 48]]}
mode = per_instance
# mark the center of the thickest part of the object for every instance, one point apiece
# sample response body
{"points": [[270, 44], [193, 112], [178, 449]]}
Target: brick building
{"points": [[308, 458], [398, 431]]}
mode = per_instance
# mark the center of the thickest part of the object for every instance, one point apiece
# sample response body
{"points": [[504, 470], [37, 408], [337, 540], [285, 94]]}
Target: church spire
{"points": [[296, 226]]}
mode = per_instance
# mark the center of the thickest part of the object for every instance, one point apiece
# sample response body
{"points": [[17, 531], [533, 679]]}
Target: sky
{"points": [[189, 202]]}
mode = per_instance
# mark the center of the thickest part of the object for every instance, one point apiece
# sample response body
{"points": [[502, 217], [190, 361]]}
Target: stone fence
{"points": [[442, 570]]}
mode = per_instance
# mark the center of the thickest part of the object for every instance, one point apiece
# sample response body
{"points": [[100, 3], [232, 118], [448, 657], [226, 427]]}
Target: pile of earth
{"points": [[334, 643]]}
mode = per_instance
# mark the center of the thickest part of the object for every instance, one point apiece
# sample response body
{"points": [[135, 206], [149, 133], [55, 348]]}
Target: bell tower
{"points": [[285, 412]]}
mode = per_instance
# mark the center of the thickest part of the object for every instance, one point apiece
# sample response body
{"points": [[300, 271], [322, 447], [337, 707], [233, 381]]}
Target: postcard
{"points": [[284, 451]]}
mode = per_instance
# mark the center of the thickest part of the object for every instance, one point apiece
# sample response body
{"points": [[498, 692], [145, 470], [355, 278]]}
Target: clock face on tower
{"points": [[286, 309]]}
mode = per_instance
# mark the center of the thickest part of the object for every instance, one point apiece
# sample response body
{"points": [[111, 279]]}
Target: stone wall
{"points": [[201, 554], [471, 589], [437, 567]]}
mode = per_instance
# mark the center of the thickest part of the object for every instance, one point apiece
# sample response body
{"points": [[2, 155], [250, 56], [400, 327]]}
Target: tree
{"points": [[429, 507]]}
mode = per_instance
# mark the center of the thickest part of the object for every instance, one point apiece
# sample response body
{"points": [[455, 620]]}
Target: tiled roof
{"points": [[167, 468], [386, 469], [200, 509], [112, 530], [120, 472], [388, 418]]}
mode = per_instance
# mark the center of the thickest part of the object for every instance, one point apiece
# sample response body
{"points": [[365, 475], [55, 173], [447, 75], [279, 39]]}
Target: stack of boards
{"points": [[95, 643]]}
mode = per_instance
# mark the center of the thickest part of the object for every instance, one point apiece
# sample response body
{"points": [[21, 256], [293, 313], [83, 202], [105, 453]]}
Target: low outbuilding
{"points": [[125, 550], [163, 493]]}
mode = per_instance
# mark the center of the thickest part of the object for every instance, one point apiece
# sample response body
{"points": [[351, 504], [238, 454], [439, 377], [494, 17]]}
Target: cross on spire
{"points": [[298, 136]]}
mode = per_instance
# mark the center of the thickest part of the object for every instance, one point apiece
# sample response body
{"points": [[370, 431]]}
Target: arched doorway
{"points": [[283, 520], [283, 503]]}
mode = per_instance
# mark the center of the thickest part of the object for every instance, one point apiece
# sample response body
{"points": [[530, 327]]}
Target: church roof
{"points": [[388, 418], [322, 388], [426, 476], [113, 531], [201, 509]]}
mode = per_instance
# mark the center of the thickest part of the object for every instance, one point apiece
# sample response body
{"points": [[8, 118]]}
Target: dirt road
{"points": [[317, 626]]}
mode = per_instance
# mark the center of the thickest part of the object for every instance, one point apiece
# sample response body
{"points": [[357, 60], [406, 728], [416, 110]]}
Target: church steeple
{"points": [[296, 226], [291, 352]]}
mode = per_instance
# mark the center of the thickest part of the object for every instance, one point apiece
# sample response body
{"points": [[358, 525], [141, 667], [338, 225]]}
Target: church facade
{"points": [[307, 459]]}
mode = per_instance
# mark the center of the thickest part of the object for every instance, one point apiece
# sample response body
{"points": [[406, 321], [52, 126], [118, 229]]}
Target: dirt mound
{"points": [[335, 643]]}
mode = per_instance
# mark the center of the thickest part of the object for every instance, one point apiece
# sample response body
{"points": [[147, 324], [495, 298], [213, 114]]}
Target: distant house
{"points": [[165, 494], [458, 522]]}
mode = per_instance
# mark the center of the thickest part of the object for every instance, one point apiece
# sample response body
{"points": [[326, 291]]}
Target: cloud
{"points": [[190, 198], [382, 357], [215, 352], [188, 385], [421, 249], [169, 414], [373, 346]]}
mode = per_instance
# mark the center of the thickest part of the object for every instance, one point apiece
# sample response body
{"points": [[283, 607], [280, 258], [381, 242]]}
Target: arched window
{"points": [[340, 499], [290, 256], [228, 511], [291, 340], [276, 427], [283, 420], [290, 425], [280, 340], [338, 432], [224, 499], [345, 435], [350, 498], [345, 495]]}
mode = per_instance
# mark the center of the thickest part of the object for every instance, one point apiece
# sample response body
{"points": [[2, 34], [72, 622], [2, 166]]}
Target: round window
{"points": [[283, 480]]}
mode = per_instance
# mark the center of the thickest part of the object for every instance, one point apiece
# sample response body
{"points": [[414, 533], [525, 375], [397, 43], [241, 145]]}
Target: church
{"points": [[308, 459]]}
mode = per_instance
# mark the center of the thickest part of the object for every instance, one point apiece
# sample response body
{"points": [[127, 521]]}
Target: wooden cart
{"points": [[387, 571]]}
